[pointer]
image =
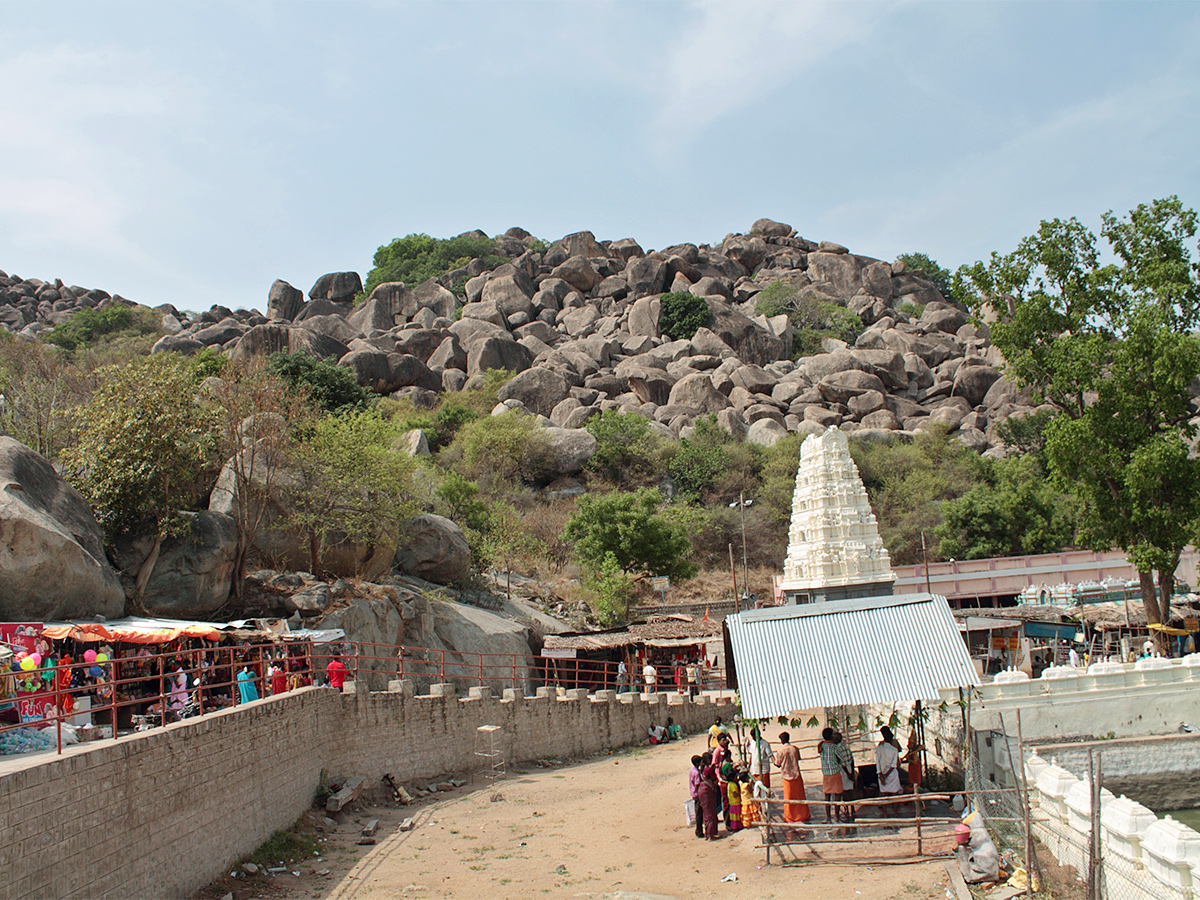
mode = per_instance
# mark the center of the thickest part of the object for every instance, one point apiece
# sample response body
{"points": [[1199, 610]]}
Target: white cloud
{"points": [[735, 53]]}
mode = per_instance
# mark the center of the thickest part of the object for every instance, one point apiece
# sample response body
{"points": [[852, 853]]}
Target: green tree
{"points": [[612, 591], [907, 483], [351, 484], [253, 416], [416, 258], [627, 450], [813, 315], [39, 385], [501, 452], [712, 466], [681, 314], [924, 265], [630, 526], [1014, 511], [143, 451], [328, 385], [1111, 346], [115, 322]]}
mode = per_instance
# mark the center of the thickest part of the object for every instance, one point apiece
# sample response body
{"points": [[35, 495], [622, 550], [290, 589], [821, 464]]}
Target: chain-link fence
{"points": [[1069, 837]]}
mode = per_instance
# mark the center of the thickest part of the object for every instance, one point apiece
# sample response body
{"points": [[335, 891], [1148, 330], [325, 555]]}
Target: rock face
{"points": [[433, 548], [833, 539], [52, 563], [192, 576]]}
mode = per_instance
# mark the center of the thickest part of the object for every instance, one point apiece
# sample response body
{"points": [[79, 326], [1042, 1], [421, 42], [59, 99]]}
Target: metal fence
{"points": [[1011, 816], [137, 690]]}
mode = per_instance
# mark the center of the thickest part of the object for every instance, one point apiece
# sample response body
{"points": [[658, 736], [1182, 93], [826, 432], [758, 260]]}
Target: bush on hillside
{"points": [[88, 325], [811, 313], [681, 314], [330, 386], [416, 258], [627, 451]]}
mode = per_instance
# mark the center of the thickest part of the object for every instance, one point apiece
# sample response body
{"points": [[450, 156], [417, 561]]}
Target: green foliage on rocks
{"points": [[113, 323], [811, 313], [924, 265], [328, 385], [681, 314], [142, 446], [628, 452], [416, 258]]}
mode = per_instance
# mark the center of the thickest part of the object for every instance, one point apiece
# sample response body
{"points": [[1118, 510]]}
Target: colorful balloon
{"points": [[89, 656], [37, 658], [95, 671], [101, 657], [27, 663]]}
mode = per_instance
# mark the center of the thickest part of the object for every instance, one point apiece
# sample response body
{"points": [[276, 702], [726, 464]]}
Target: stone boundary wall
{"points": [[163, 812], [1144, 857], [1159, 772]]}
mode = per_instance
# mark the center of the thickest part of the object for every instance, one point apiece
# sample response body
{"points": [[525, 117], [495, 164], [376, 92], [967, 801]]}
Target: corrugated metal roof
{"points": [[872, 650]]}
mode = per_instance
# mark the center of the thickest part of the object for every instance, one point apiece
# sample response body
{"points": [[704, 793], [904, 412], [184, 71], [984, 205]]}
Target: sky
{"points": [[192, 153]]}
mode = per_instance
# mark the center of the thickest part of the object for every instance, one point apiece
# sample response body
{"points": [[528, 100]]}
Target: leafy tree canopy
{"points": [[416, 258], [328, 385], [681, 314], [924, 265], [1112, 346], [143, 446], [813, 314], [630, 526], [627, 450]]}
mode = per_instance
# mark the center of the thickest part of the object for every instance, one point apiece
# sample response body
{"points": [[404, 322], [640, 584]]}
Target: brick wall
{"points": [[162, 813]]}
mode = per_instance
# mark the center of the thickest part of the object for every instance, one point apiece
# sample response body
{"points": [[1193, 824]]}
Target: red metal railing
{"points": [[141, 689]]}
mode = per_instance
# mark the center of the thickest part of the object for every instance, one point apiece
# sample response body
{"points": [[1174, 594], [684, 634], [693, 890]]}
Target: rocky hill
{"points": [[581, 322]]}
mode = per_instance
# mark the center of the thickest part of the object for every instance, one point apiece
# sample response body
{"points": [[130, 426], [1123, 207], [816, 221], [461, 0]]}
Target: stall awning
{"points": [[987, 623], [1047, 630], [134, 630], [846, 652]]}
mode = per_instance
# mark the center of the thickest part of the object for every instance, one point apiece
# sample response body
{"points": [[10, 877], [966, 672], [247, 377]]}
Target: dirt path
{"points": [[612, 824]]}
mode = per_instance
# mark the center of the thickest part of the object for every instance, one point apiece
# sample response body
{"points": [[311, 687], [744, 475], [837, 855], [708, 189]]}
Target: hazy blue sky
{"points": [[193, 152]]}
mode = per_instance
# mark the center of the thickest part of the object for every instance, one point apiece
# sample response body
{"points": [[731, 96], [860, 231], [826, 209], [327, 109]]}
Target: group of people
{"points": [[688, 676], [718, 784]]}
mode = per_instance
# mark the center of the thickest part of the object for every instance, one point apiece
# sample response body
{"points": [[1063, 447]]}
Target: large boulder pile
{"points": [[580, 324]]}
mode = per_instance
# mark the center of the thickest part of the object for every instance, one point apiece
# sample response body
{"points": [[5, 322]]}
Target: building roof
{"points": [[871, 650], [656, 631]]}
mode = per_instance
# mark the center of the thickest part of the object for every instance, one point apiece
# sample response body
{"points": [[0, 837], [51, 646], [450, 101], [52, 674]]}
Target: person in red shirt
{"points": [[337, 673]]}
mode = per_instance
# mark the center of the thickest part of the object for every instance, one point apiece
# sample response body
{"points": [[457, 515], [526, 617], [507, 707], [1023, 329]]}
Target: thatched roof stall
{"points": [[1132, 616], [655, 631]]}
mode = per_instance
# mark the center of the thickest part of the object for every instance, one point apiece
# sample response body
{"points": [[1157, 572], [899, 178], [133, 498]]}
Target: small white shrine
{"points": [[834, 548]]}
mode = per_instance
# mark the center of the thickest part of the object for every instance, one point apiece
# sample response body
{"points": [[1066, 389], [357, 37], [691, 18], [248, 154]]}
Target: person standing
{"points": [[245, 682], [758, 752], [622, 677], [787, 760], [887, 768], [709, 793], [337, 673], [846, 761], [650, 676], [1073, 657], [831, 775], [694, 790]]}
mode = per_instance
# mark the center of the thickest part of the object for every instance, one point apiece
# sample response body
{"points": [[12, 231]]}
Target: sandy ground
{"points": [[608, 827]]}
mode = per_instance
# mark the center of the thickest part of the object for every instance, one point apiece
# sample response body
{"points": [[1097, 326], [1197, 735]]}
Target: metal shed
{"points": [[845, 652]]}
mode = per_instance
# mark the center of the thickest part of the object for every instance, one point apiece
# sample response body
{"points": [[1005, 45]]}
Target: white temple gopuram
{"points": [[834, 548]]}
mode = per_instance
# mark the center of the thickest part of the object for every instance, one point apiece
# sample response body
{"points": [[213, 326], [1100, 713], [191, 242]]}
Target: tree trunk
{"points": [[1150, 604], [146, 570], [239, 568], [1166, 588], [314, 550]]}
